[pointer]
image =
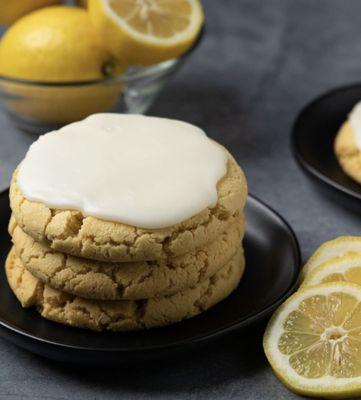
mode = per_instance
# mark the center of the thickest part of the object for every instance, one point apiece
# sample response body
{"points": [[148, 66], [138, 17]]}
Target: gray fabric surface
{"points": [[260, 62]]}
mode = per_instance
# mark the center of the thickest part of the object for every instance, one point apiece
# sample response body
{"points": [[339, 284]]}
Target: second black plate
{"points": [[272, 257], [314, 133]]}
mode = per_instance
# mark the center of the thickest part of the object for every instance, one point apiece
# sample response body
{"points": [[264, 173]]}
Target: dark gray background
{"points": [[259, 63]]}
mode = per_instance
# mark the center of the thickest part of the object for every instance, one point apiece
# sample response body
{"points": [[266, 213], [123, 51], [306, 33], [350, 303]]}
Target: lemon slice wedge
{"points": [[338, 247], [144, 32], [313, 341], [347, 268]]}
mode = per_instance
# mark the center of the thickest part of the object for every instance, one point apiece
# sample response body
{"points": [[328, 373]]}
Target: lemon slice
{"points": [[338, 247], [347, 268], [144, 32], [313, 341]]}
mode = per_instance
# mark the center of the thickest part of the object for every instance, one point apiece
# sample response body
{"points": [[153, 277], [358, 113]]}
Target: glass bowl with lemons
{"points": [[61, 63]]}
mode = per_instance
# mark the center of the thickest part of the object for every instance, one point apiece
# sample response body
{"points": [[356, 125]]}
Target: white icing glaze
{"points": [[143, 171], [355, 121]]}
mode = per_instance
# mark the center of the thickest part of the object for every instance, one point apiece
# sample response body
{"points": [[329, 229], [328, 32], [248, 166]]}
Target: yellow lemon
{"points": [[11, 10], [346, 268], [45, 106], [56, 44], [337, 247], [313, 341], [144, 32]]}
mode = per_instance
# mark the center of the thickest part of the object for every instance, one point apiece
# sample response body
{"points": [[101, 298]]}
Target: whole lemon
{"points": [[11, 10], [54, 44]]}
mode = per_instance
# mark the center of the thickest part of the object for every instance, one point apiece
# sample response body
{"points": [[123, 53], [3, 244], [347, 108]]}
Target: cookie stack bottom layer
{"points": [[122, 315]]}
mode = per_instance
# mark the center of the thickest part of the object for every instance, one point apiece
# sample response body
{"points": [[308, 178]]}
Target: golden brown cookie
{"points": [[133, 280], [347, 152], [121, 315], [71, 232]]}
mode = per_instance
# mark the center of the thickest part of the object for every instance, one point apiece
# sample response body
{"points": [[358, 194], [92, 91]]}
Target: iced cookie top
{"points": [[355, 121], [143, 171]]}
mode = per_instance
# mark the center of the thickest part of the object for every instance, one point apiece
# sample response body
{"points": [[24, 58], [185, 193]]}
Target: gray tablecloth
{"points": [[260, 62]]}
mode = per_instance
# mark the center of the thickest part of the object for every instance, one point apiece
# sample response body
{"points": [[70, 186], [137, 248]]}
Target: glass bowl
{"points": [[40, 107]]}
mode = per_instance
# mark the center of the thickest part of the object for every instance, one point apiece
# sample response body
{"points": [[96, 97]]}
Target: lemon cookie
{"points": [[347, 151], [122, 188], [71, 232], [121, 315], [132, 280]]}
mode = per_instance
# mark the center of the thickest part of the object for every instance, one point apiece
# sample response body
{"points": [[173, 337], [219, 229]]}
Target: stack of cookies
{"points": [[88, 272]]}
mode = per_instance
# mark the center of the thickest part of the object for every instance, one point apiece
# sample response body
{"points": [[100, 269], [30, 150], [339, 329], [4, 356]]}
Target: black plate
{"points": [[314, 132], [273, 260]]}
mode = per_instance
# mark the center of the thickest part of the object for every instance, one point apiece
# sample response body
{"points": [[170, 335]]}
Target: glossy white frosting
{"points": [[355, 121], [143, 171]]}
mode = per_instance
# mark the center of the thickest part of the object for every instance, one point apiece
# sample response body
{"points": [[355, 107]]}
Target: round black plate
{"points": [[314, 132], [273, 260]]}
